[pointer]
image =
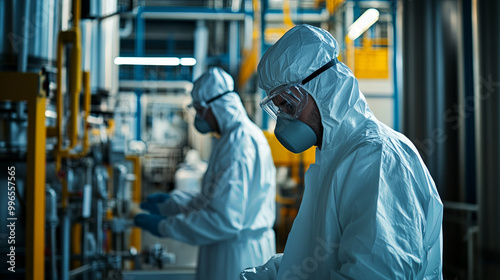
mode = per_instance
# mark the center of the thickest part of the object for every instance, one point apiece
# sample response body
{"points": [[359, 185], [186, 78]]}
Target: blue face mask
{"points": [[202, 125], [294, 135]]}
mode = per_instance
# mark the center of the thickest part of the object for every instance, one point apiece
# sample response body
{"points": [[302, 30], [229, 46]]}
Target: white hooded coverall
{"points": [[231, 219], [370, 208]]}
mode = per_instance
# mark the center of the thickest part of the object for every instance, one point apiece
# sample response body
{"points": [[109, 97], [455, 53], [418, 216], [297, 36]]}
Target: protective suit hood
{"points": [[228, 110], [335, 91]]}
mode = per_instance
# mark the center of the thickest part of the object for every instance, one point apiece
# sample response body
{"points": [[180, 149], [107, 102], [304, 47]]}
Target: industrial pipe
{"points": [[127, 30], [65, 256], [195, 16], [85, 141], [52, 221], [68, 37]]}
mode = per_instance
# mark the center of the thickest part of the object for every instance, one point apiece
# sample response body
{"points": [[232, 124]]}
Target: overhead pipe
{"points": [[186, 85], [300, 17], [170, 14], [216, 14], [228, 16]]}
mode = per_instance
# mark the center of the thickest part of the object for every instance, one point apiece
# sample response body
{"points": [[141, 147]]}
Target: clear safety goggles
{"points": [[286, 101], [201, 107], [289, 100]]}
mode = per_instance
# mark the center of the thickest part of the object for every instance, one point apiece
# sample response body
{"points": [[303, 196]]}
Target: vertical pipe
{"points": [[248, 32], [22, 58], [396, 67], [261, 14], [85, 247], [139, 69], [75, 78], [430, 59], [99, 232], [53, 252], [441, 82], [488, 135], [234, 38], [52, 221], [200, 48], [135, 235], [65, 256], [233, 48], [468, 160]]}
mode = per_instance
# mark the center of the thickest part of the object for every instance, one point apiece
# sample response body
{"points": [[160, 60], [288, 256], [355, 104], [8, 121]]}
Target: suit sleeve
{"points": [[216, 213], [179, 202]]}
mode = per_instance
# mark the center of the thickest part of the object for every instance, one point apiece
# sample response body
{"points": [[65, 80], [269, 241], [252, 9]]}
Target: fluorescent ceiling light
{"points": [[50, 114], [158, 61], [362, 24], [188, 61]]}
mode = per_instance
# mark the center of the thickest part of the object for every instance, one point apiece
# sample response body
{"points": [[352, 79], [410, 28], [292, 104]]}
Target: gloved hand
{"points": [[149, 223], [264, 272], [152, 201]]}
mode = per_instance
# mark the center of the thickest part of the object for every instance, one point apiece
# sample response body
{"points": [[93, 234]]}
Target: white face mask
{"points": [[294, 135], [202, 125]]}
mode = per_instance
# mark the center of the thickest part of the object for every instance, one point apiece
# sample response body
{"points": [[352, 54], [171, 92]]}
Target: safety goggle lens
{"points": [[285, 101], [197, 109]]}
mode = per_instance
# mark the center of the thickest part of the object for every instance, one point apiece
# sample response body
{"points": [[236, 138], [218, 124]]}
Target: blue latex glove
{"points": [[152, 201], [149, 222]]}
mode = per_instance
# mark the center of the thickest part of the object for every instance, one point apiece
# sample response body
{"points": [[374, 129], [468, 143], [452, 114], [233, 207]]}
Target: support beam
{"points": [[25, 87]]}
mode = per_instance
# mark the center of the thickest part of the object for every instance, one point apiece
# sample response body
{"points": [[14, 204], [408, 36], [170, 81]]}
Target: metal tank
{"points": [[28, 32], [100, 46], [28, 36]]}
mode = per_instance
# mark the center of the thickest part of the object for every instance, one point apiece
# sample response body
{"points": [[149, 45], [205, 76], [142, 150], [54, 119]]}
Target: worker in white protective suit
{"points": [[370, 208], [231, 219]]}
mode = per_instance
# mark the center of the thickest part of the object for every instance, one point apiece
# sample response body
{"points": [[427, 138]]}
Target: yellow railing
{"points": [[367, 61]]}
